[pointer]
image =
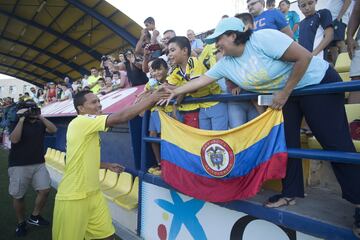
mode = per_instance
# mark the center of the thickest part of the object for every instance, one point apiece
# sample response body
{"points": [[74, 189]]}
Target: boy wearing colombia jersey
{"points": [[212, 115]]}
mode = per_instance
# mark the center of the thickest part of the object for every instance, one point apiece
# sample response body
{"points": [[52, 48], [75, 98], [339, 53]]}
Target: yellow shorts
{"points": [[87, 218]]}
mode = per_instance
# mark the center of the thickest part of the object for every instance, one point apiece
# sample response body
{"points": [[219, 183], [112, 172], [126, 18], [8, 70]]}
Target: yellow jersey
{"points": [[81, 175], [194, 69], [207, 56], [91, 80]]}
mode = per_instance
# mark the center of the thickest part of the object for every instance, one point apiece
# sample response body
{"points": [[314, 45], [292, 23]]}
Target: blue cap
{"points": [[226, 24]]}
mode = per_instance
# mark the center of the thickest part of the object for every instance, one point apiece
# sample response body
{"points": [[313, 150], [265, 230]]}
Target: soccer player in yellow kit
{"points": [[80, 211]]}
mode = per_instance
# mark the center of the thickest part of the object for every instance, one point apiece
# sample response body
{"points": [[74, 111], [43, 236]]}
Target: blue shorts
{"points": [[214, 118], [154, 123]]}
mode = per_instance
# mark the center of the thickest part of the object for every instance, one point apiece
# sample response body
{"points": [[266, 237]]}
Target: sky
{"points": [[198, 15]]}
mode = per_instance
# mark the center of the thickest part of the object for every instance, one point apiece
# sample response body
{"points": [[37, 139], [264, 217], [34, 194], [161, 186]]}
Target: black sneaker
{"points": [[21, 229], [37, 221]]}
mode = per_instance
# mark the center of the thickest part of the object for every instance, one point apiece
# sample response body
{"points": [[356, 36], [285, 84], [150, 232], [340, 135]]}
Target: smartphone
{"points": [[265, 100]]}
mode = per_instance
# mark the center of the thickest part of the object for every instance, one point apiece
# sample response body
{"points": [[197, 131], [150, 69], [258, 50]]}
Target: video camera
{"points": [[104, 58], [32, 109]]}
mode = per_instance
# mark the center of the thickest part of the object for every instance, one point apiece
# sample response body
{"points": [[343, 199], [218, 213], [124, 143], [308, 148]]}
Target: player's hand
{"points": [[159, 94], [115, 167], [141, 96], [279, 100], [167, 96], [236, 91]]}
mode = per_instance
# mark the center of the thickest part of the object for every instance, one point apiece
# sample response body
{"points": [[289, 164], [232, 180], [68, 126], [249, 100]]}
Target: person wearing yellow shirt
{"points": [[93, 80], [158, 69], [212, 115], [208, 55], [80, 211]]}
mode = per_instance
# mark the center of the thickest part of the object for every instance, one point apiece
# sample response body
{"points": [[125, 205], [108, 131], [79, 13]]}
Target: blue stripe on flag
{"points": [[245, 160]]}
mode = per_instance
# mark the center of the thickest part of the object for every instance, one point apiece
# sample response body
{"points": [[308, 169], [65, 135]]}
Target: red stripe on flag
{"points": [[224, 190]]}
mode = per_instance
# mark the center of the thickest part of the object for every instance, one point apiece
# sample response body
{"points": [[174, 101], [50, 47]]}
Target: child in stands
{"points": [[316, 29], [291, 17], [212, 115], [159, 70]]}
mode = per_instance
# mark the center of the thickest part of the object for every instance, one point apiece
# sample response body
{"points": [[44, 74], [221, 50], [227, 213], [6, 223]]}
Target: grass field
{"points": [[8, 220], [7, 215]]}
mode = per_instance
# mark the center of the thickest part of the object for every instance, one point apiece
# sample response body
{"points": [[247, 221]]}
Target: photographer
{"points": [[27, 164], [108, 65]]}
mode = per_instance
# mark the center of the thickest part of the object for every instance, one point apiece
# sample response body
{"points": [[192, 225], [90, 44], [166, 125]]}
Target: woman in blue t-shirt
{"points": [[268, 61]]}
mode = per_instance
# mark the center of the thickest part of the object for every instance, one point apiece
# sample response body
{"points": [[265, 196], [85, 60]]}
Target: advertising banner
{"points": [[111, 102], [169, 215]]}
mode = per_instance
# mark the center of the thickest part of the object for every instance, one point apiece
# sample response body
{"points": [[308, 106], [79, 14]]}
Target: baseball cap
{"points": [[226, 24]]}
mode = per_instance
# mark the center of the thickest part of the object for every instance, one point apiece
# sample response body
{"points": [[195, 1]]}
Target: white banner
{"points": [[169, 215]]}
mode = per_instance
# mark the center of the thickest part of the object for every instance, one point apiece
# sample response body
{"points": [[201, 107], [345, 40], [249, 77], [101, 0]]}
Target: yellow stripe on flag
{"points": [[192, 139]]}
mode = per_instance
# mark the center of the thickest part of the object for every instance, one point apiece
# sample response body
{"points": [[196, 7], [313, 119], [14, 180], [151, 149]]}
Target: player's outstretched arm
{"points": [[134, 110]]}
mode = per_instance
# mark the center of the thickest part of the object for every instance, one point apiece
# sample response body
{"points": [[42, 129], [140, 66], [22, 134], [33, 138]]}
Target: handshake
{"points": [[160, 96]]}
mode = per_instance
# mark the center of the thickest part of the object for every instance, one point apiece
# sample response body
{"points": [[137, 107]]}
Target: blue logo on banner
{"points": [[183, 213]]}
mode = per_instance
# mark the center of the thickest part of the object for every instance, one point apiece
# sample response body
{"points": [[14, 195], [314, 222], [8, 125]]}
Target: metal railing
{"points": [[334, 156]]}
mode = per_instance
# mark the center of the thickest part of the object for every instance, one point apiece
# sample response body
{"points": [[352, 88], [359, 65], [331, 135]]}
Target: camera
{"points": [[32, 109], [104, 58]]}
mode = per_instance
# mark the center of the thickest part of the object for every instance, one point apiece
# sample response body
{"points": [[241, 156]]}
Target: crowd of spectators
{"points": [[257, 57]]}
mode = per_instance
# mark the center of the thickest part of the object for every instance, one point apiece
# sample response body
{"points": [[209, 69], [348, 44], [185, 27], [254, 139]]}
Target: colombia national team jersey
{"points": [[194, 69]]}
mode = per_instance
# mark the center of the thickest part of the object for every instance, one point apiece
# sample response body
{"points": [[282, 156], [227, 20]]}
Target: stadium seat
{"points": [[48, 153], [61, 162], [122, 187], [110, 180], [58, 162], [56, 156], [53, 155], [102, 173], [129, 201], [345, 76], [343, 63], [352, 112]]}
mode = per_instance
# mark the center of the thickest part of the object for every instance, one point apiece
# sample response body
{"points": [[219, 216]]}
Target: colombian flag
{"points": [[221, 166]]}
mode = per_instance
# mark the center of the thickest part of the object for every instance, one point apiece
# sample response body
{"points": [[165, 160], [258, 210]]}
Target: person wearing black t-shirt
{"points": [[134, 70], [27, 165]]}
